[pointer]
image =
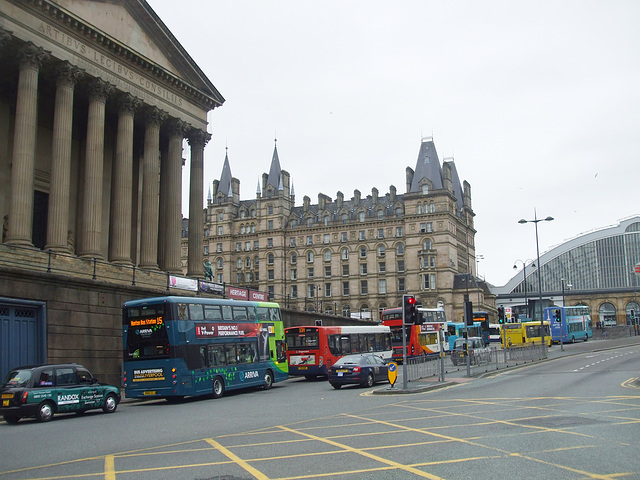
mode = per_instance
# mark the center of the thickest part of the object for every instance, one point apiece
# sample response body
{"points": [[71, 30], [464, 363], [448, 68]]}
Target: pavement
{"points": [[460, 376]]}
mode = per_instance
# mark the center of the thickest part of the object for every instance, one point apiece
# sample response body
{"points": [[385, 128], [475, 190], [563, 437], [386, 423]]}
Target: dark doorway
{"points": [[40, 216]]}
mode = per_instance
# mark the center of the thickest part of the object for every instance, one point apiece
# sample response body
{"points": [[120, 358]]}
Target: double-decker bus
{"points": [[423, 339], [312, 350], [455, 330], [494, 332], [485, 328], [524, 333], [569, 324], [182, 346]]}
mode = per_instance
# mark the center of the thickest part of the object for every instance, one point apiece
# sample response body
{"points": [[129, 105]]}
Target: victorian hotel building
{"points": [[96, 100], [348, 256]]}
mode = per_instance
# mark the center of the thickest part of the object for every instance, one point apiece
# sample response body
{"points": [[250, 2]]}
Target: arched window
{"points": [[294, 257], [270, 259], [219, 262], [345, 254], [381, 250], [247, 262], [256, 261], [419, 208], [432, 207], [608, 315], [426, 245], [327, 255], [400, 249], [239, 263], [310, 256]]}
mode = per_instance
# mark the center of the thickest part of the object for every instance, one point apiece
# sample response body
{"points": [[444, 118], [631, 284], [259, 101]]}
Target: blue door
{"points": [[22, 336]]}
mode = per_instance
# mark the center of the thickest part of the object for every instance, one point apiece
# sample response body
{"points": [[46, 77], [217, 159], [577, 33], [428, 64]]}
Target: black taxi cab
{"points": [[43, 390]]}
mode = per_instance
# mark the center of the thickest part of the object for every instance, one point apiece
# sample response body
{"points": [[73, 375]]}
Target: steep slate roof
{"points": [[457, 187], [225, 177], [350, 207], [427, 166], [275, 172]]}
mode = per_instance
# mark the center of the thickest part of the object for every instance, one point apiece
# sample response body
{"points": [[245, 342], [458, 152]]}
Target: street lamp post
{"points": [[563, 305], [535, 221], [524, 275]]}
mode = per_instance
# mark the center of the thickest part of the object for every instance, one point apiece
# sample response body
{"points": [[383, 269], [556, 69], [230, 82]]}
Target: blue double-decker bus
{"points": [[569, 324], [181, 346]]}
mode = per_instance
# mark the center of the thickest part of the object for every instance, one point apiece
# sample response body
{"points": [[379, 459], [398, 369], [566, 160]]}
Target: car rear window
{"points": [[17, 378]]}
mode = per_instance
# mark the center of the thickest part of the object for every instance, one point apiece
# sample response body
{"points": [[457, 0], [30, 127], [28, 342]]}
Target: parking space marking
{"points": [[234, 458], [362, 452]]}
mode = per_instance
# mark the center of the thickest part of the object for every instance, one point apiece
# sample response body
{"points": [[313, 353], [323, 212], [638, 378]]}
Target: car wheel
{"points": [[370, 380], [336, 386], [110, 404], [218, 387], [268, 379], [12, 419], [44, 412]]}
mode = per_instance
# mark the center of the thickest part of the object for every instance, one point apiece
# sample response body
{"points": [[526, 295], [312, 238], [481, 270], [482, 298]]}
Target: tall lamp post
{"points": [[524, 275], [535, 221], [563, 305]]}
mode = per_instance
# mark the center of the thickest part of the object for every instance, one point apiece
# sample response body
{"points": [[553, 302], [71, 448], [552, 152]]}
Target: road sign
{"points": [[392, 372]]}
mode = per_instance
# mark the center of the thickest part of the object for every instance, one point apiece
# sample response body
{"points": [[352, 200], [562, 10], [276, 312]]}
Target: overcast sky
{"points": [[538, 103]]}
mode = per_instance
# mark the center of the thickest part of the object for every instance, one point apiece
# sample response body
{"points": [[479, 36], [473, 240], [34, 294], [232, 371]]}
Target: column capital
{"points": [[154, 116], [198, 138], [99, 90], [68, 74], [127, 103], [32, 56], [177, 127], [5, 36]]}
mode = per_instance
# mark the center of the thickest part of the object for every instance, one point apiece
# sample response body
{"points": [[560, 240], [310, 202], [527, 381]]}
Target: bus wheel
{"points": [[218, 387], [268, 379]]}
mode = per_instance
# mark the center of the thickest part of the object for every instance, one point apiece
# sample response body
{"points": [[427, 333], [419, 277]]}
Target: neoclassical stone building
{"points": [[97, 98], [348, 256]]}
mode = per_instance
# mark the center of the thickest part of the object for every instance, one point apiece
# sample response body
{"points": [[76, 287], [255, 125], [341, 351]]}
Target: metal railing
{"points": [[499, 358]]}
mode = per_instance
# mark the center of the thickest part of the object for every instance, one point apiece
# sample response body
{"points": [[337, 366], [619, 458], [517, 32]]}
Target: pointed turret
{"points": [[275, 172], [428, 168], [225, 177]]}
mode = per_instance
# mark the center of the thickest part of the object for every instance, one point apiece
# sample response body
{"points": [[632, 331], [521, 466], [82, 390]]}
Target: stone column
{"points": [[171, 200], [197, 140], [150, 189], [122, 183], [58, 215], [5, 36], [91, 220], [24, 146]]}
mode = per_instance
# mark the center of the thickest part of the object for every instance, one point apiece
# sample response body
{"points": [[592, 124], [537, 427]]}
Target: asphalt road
{"points": [[576, 415]]}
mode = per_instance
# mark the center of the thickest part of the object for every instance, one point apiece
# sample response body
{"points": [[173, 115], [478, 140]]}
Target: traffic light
{"points": [[500, 314], [557, 315], [468, 312], [409, 308]]}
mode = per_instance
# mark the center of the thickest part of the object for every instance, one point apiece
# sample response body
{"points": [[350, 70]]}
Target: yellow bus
{"points": [[527, 333]]}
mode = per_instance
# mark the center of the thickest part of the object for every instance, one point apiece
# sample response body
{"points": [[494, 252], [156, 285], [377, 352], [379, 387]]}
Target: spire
{"points": [[258, 191], [209, 199], [293, 191], [275, 172], [427, 167], [225, 176]]}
